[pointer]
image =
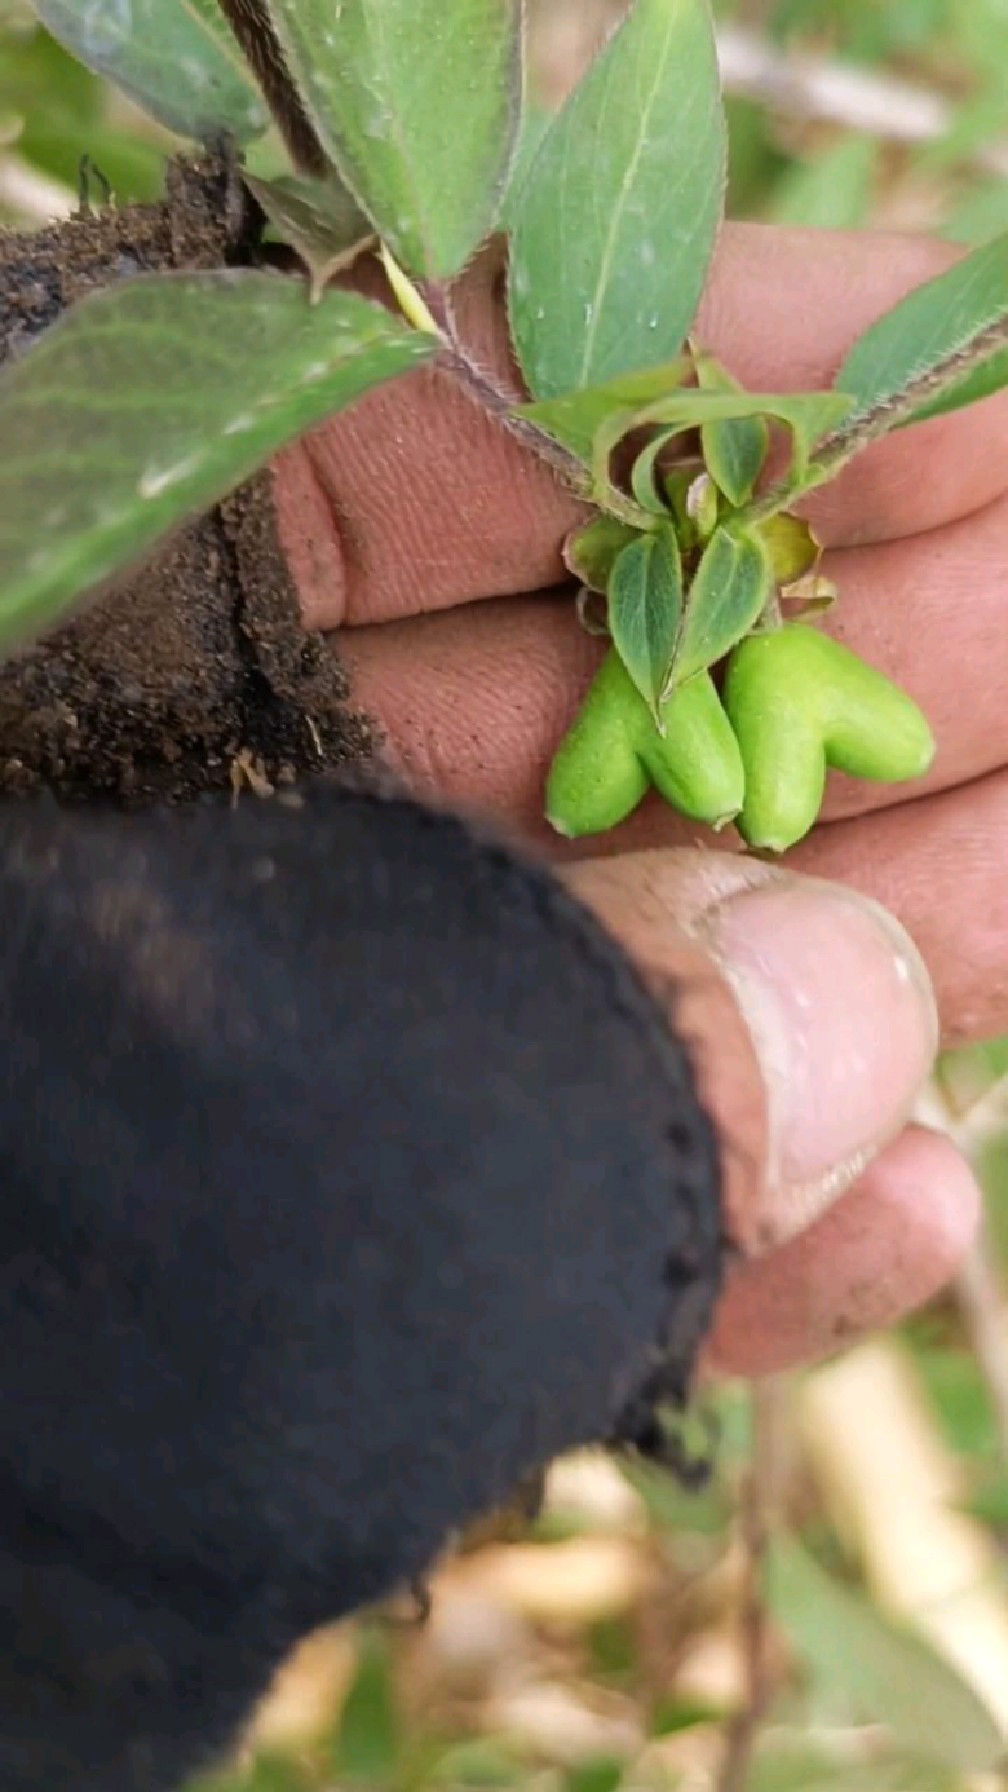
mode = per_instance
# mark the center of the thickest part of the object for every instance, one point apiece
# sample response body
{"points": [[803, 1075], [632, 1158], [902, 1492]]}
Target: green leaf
{"points": [[54, 108], [682, 484], [967, 1075], [793, 549], [36, 73], [925, 339], [535, 123], [808, 415], [645, 609], [672, 1716], [730, 587], [148, 401], [133, 166], [575, 419], [672, 1507], [643, 481], [369, 1741], [834, 192], [615, 225], [886, 1674], [734, 450], [592, 422], [590, 552], [319, 220], [417, 102], [981, 382], [175, 59], [989, 1502], [956, 1390], [798, 1768], [483, 1762]]}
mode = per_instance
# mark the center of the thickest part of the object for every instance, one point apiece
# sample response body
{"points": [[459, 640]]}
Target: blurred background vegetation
{"points": [[831, 1611]]}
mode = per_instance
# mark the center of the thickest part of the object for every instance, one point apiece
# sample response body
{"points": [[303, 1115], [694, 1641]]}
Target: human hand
{"points": [[475, 671]]}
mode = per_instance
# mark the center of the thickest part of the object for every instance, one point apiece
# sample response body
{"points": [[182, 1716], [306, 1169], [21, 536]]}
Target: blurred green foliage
{"points": [[824, 175], [807, 172], [52, 112]]}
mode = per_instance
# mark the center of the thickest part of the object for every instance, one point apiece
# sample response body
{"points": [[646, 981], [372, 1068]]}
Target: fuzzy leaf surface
{"points": [[728, 592], [645, 610], [175, 58], [148, 402], [418, 104], [735, 449], [615, 224], [938, 328]]}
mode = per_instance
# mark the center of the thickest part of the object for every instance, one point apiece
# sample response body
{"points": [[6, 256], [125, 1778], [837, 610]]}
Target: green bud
{"points": [[597, 778], [800, 702], [702, 506], [591, 551], [614, 752], [696, 763], [782, 750], [793, 549], [676, 485]]}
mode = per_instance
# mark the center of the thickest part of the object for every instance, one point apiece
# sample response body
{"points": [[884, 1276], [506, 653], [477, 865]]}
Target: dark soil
{"points": [[195, 674]]}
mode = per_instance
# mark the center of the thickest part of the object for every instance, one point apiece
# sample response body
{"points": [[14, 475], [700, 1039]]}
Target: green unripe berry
{"points": [[604, 766], [597, 778], [696, 763], [800, 702]]}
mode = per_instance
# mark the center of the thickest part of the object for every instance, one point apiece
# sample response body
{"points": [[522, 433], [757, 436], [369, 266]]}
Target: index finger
{"points": [[417, 501]]}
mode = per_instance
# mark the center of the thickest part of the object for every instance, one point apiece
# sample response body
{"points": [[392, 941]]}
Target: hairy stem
{"points": [[455, 358], [864, 427]]}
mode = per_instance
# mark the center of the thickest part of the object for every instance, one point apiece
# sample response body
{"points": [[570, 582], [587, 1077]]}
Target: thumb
{"points": [[808, 1009]]}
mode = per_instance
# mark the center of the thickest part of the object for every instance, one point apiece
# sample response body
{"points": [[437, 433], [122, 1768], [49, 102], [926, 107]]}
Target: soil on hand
{"points": [[195, 673]]}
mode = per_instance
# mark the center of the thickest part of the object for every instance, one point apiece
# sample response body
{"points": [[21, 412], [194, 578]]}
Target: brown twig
{"points": [[859, 431], [760, 1500]]}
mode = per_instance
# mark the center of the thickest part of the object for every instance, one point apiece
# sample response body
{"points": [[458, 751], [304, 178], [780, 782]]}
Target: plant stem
{"points": [[481, 386], [864, 427], [483, 389], [978, 1286], [760, 1500], [430, 310]]}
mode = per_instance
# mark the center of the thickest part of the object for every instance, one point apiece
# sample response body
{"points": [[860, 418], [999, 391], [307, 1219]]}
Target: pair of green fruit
{"points": [[794, 703]]}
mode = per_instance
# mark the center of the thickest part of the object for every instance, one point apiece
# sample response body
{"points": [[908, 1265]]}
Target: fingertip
{"points": [[886, 1247]]}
